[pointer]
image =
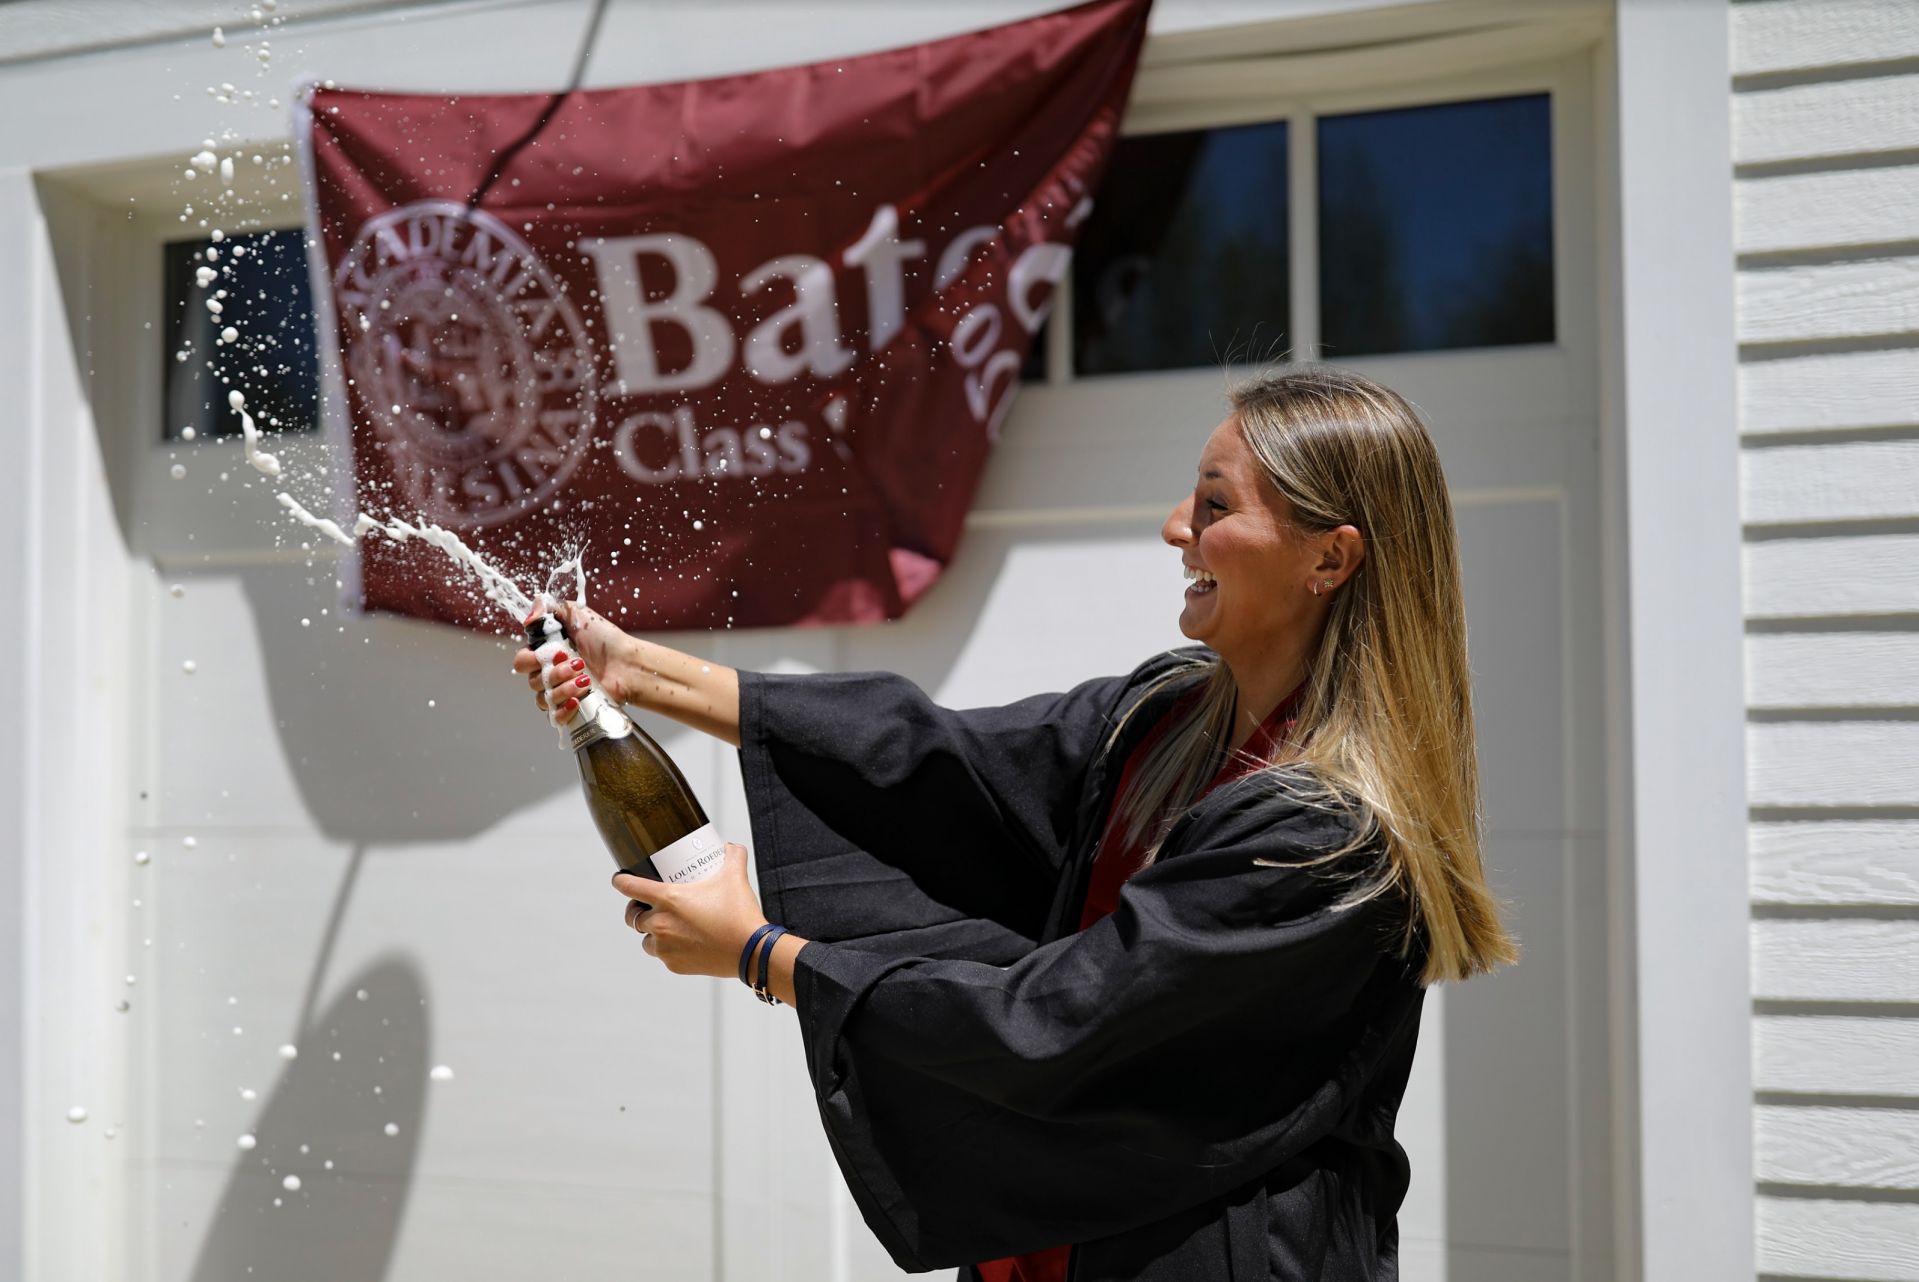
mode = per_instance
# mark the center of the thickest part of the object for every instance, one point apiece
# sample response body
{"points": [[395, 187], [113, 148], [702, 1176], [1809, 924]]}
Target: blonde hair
{"points": [[1385, 726]]}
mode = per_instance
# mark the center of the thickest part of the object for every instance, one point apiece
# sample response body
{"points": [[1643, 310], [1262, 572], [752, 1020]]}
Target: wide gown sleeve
{"points": [[879, 815], [1217, 1024]]}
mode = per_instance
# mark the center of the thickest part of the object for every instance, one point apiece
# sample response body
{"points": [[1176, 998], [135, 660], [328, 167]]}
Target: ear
{"points": [[1341, 549]]}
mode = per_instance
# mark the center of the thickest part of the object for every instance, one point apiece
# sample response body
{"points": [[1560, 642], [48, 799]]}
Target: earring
{"points": [[1325, 583], [1313, 588]]}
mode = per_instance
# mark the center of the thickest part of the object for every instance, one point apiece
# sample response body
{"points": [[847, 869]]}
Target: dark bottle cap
{"points": [[536, 633]]}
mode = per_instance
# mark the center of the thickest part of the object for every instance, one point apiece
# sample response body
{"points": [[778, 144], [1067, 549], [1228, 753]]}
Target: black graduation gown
{"points": [[1200, 1085]]}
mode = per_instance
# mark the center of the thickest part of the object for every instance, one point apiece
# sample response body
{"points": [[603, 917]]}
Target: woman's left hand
{"points": [[699, 927]]}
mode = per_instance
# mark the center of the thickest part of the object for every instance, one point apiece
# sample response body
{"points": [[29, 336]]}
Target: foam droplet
{"points": [[291, 1184], [219, 38], [178, 472], [177, 591], [392, 1128], [189, 667], [289, 1051], [76, 1115], [441, 1073], [237, 399], [188, 433], [246, 1143], [230, 335], [142, 858]]}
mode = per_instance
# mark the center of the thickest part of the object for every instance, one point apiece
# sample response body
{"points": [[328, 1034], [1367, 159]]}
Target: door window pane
{"points": [[1435, 227], [268, 305], [1183, 259]]}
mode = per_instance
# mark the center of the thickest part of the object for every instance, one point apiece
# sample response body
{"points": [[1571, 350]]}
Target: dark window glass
{"points": [[1034, 370], [1435, 227], [1183, 261], [269, 302]]}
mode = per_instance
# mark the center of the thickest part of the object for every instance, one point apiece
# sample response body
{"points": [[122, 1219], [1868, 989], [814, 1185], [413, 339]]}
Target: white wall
{"points": [[1826, 148]]}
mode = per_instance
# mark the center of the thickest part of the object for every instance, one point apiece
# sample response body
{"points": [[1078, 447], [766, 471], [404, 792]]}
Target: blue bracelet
{"points": [[746, 954], [763, 991]]}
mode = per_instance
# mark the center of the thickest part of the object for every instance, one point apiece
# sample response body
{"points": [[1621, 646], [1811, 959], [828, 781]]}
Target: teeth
{"points": [[1198, 576]]}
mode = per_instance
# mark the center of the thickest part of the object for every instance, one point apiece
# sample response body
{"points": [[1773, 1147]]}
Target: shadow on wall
{"points": [[373, 763], [341, 1222]]}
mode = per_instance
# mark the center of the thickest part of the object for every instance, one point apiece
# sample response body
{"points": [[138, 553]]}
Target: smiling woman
{"points": [[1125, 982]]}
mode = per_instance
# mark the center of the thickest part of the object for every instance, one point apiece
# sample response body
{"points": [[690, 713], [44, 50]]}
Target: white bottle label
{"points": [[694, 857]]}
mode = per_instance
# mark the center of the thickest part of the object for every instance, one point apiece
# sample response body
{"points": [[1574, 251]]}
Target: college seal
{"points": [[467, 359]]}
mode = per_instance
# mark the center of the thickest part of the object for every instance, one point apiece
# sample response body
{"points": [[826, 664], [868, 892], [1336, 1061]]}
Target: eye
{"points": [[1215, 505]]}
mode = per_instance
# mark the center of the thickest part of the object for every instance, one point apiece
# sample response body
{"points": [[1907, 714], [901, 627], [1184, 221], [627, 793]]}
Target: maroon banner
{"points": [[746, 341]]}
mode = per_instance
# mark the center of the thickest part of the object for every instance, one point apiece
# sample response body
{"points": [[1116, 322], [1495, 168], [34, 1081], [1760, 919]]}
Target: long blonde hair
{"points": [[1385, 727]]}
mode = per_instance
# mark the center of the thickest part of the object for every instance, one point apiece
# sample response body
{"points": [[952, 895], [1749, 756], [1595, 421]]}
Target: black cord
{"points": [[505, 155]]}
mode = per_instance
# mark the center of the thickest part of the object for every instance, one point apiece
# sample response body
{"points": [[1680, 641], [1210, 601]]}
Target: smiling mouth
{"points": [[1202, 581]]}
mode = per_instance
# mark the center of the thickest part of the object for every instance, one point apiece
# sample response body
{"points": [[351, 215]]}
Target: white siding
{"points": [[1826, 194]]}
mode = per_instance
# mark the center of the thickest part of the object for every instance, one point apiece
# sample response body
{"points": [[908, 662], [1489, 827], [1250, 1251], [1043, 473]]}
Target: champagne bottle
{"points": [[650, 820]]}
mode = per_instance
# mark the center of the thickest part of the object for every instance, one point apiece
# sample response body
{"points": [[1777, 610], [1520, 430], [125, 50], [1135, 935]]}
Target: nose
{"points": [[1178, 529]]}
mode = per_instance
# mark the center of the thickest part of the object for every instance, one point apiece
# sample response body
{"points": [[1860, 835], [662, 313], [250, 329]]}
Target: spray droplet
{"points": [[289, 1051], [142, 858], [189, 842], [187, 434], [291, 1184], [178, 472], [237, 399], [229, 335], [246, 1143], [441, 1073], [76, 1115], [219, 38], [392, 1128], [189, 667], [177, 591]]}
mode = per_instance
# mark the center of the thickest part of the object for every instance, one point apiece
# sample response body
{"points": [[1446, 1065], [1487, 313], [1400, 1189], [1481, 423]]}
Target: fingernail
{"points": [[582, 682], [572, 704], [578, 664], [559, 656]]}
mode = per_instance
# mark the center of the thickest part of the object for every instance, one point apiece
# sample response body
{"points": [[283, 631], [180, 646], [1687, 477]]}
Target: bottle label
{"points": [[696, 856]]}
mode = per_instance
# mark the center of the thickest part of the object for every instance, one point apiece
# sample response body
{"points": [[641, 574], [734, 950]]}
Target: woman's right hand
{"points": [[597, 646]]}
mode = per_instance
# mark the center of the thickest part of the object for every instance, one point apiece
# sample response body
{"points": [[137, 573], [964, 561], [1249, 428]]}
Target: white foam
{"points": [[392, 1128], [291, 1184], [441, 1073], [76, 1115], [219, 38], [247, 1142]]}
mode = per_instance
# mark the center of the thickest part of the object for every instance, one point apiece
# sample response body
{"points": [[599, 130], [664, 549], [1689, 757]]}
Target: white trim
{"points": [[1676, 738]]}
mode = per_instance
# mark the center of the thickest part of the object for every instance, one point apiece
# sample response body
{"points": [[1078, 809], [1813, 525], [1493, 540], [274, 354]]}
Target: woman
{"points": [[1124, 983]]}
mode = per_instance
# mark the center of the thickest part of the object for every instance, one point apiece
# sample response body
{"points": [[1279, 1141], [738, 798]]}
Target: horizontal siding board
{"points": [[1839, 210], [1835, 861], [1832, 763], [1811, 578], [1867, 298], [1835, 960], [1838, 481], [1808, 35], [1828, 1238], [1826, 118], [1875, 1148], [1836, 1055], [1832, 669], [1830, 390]]}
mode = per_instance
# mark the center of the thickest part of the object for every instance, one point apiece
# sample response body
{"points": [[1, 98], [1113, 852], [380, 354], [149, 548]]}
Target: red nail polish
{"points": [[572, 704], [578, 664], [559, 656], [583, 682]]}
